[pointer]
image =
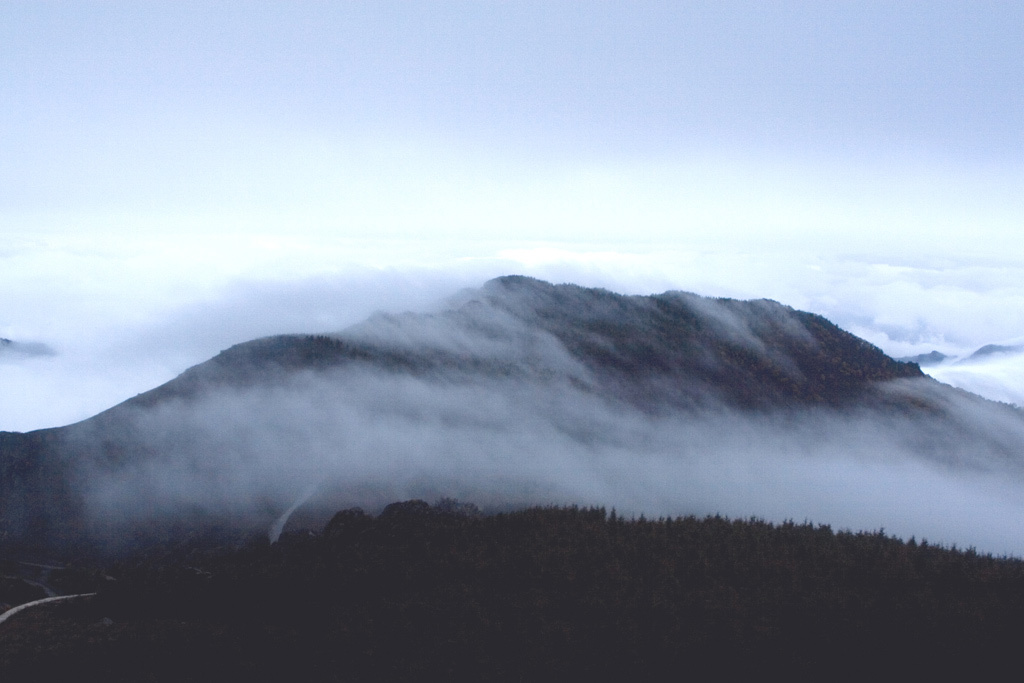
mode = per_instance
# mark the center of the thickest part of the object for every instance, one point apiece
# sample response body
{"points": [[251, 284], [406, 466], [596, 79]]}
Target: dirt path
{"points": [[14, 610]]}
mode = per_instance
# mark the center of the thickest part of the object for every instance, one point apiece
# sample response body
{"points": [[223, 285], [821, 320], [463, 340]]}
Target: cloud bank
{"points": [[365, 439]]}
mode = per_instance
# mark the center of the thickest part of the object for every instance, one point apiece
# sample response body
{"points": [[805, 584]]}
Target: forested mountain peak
{"points": [[671, 350], [517, 392]]}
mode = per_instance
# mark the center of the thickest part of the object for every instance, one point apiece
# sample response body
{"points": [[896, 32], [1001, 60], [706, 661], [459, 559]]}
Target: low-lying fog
{"points": [[371, 439], [363, 436]]}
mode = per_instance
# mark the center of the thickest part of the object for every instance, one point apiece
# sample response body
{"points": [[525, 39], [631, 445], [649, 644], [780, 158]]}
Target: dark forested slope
{"points": [[543, 594]]}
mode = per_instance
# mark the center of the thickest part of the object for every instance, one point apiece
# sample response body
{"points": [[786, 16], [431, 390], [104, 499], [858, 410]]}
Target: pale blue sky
{"points": [[114, 104]]}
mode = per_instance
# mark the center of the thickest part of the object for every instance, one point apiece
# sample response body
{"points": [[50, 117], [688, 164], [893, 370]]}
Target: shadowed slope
{"points": [[667, 351]]}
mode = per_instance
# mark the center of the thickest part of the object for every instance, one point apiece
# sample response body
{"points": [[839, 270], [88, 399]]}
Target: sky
{"points": [[178, 177]]}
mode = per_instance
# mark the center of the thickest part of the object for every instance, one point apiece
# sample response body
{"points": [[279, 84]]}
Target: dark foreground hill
{"points": [[543, 594], [520, 392]]}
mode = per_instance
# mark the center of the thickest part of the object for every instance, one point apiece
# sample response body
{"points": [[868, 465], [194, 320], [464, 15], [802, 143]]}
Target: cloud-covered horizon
{"points": [[111, 341]]}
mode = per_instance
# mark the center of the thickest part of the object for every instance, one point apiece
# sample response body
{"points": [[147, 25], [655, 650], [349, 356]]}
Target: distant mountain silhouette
{"points": [[994, 349], [9, 346], [925, 359], [672, 354]]}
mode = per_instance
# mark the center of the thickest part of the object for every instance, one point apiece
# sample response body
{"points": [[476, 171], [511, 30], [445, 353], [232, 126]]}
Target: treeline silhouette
{"points": [[443, 592]]}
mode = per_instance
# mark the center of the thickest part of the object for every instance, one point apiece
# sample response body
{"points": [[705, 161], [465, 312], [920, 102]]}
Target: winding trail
{"points": [[14, 610]]}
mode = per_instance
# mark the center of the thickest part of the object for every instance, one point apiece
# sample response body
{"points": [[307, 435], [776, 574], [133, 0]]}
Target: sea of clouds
{"points": [[106, 321]]}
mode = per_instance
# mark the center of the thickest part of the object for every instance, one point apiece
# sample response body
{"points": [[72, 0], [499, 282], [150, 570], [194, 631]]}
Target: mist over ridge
{"points": [[526, 392]]}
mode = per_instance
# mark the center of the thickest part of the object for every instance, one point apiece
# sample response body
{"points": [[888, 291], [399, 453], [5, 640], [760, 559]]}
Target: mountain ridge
{"points": [[589, 322]]}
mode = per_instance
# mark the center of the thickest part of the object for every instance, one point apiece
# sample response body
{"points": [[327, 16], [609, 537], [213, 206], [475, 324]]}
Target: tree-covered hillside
{"points": [[445, 593]]}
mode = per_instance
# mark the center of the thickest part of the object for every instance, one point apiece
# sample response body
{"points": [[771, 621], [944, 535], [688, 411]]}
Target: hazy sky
{"points": [[176, 177]]}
